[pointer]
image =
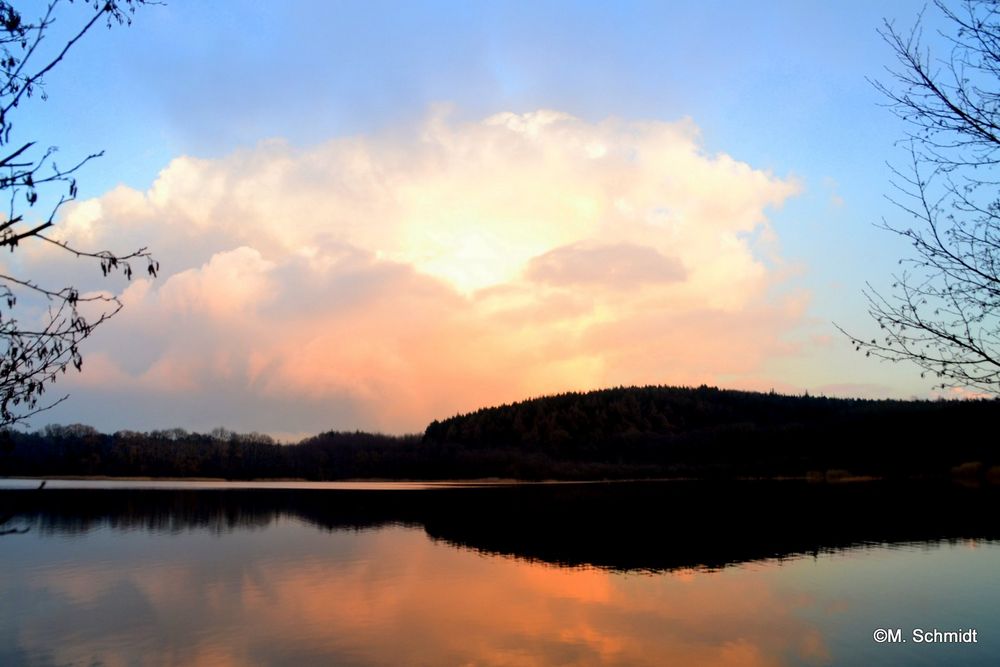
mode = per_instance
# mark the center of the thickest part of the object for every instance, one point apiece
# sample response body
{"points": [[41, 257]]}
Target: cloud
{"points": [[960, 393], [383, 281], [619, 265]]}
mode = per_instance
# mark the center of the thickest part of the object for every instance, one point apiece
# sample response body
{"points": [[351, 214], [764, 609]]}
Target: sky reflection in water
{"points": [[284, 592]]}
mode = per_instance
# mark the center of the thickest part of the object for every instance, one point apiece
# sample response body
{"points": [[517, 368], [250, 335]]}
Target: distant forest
{"points": [[634, 432]]}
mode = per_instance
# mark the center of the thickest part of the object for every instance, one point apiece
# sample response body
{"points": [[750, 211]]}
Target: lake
{"points": [[668, 573]]}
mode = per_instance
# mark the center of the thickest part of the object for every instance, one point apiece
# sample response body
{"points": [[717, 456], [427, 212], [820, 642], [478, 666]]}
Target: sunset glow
{"points": [[471, 264], [381, 271], [507, 334]]}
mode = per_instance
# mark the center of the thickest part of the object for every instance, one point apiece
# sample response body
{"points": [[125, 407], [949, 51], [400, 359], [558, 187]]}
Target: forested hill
{"points": [[613, 433], [706, 428]]}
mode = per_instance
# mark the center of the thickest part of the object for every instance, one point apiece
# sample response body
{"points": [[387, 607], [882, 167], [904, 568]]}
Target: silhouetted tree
{"points": [[35, 350], [943, 313]]}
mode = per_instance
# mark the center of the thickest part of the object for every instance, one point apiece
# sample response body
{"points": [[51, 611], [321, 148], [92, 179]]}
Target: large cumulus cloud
{"points": [[383, 281]]}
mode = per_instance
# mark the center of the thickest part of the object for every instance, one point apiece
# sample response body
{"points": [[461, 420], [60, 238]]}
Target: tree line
{"points": [[626, 432]]}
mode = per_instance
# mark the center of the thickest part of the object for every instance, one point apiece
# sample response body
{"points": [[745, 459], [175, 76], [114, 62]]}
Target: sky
{"points": [[371, 214]]}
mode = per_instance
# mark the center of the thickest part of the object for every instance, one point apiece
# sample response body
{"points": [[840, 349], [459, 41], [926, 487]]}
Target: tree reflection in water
{"points": [[620, 525], [576, 574]]}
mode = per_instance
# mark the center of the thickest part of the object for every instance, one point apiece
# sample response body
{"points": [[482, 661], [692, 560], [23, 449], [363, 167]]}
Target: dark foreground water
{"points": [[606, 574]]}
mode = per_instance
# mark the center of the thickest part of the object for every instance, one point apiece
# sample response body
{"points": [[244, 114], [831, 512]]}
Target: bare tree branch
{"points": [[944, 311], [34, 353]]}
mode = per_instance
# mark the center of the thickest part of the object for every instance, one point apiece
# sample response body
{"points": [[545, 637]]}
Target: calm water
{"points": [[650, 574]]}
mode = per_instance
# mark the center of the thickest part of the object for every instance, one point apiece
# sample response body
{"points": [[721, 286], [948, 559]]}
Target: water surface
{"points": [[648, 574]]}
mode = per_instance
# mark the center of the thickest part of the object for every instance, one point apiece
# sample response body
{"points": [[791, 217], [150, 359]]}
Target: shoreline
{"points": [[476, 481]]}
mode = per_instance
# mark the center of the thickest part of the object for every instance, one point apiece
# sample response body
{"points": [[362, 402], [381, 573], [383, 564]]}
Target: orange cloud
{"points": [[399, 279], [619, 266]]}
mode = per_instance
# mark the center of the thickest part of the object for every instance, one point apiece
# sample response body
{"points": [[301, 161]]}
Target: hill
{"points": [[706, 430]]}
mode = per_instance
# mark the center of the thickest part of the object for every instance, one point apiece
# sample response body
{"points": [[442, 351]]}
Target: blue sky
{"points": [[779, 86]]}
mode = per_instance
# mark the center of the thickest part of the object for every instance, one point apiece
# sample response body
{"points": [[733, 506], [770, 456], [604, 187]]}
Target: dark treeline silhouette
{"points": [[618, 433], [623, 526], [82, 450], [680, 431]]}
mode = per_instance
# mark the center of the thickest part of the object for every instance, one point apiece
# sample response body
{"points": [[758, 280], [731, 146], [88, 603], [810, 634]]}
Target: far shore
{"points": [[481, 481]]}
